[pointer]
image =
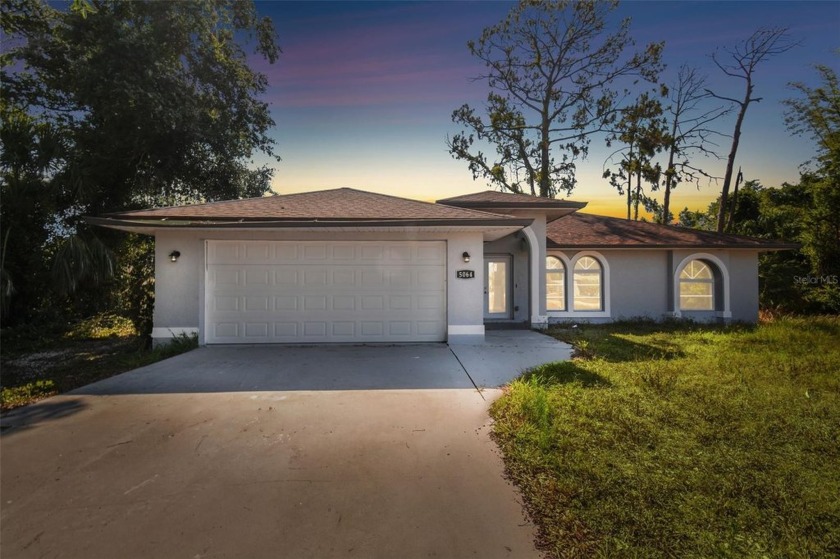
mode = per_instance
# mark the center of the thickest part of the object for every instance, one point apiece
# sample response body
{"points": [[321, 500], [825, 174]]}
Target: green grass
{"points": [[38, 362], [682, 441]]}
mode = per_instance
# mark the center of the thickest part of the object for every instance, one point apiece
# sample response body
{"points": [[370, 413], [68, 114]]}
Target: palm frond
{"points": [[79, 260]]}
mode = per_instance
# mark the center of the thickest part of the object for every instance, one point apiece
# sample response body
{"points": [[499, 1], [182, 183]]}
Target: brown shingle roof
{"points": [[341, 204], [595, 231], [494, 198]]}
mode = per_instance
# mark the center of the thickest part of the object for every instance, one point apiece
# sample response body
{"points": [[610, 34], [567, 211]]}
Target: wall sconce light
{"points": [[466, 256], [173, 256]]}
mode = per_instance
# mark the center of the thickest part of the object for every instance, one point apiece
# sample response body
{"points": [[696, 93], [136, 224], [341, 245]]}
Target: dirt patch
{"points": [[42, 360], [40, 363], [62, 362]]}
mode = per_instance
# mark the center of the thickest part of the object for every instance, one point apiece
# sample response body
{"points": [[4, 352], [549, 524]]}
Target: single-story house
{"points": [[351, 266]]}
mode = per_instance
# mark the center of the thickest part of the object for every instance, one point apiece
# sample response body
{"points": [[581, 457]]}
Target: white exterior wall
{"points": [[642, 284], [743, 277], [179, 286], [535, 236], [465, 297], [539, 228], [638, 284]]}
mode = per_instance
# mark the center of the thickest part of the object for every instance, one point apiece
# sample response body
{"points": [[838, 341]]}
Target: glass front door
{"points": [[497, 294]]}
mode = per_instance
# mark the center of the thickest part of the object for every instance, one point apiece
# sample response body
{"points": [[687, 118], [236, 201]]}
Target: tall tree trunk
{"points": [[665, 218], [629, 182], [629, 196], [731, 222], [669, 176], [638, 194], [730, 162], [545, 168]]}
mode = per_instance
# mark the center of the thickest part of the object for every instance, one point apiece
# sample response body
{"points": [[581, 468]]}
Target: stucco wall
{"points": [[635, 285], [641, 285], [179, 286], [638, 284], [539, 229], [743, 274], [465, 297]]}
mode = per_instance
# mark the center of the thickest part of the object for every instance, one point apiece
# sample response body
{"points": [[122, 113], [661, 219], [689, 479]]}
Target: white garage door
{"points": [[311, 292]]}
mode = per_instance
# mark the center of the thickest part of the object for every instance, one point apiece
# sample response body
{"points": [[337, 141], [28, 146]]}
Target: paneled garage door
{"points": [[310, 292]]}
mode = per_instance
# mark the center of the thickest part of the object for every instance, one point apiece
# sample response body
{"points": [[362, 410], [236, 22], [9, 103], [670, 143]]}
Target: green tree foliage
{"points": [[134, 283], [792, 281], [552, 69], [816, 114], [32, 153], [642, 131], [114, 105]]}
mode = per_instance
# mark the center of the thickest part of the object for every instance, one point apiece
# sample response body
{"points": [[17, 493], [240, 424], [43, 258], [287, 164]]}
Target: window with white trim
{"points": [[697, 287], [587, 282], [555, 284]]}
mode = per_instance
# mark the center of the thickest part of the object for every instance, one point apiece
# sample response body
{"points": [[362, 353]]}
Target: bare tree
{"points": [[552, 69], [691, 133], [741, 62]]}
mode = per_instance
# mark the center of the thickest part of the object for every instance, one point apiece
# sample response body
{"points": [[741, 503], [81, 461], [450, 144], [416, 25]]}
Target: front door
{"points": [[497, 293]]}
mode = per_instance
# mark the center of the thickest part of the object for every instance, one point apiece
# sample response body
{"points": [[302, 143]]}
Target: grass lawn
{"points": [[39, 362], [682, 441]]}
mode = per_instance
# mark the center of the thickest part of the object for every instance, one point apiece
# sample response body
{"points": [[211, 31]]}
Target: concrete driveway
{"points": [[379, 451]]}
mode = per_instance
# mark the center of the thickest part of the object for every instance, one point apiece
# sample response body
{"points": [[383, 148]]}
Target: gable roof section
{"points": [[510, 200], [339, 203], [595, 231], [342, 205]]}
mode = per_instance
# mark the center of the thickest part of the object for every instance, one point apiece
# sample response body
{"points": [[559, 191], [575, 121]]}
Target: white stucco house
{"points": [[350, 266]]}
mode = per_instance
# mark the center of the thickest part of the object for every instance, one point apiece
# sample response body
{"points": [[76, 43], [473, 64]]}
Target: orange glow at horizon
{"points": [[610, 205], [617, 207]]}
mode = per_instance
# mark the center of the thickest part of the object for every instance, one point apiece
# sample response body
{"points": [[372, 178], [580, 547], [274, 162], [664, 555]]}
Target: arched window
{"points": [[587, 285], [697, 287], [555, 284]]}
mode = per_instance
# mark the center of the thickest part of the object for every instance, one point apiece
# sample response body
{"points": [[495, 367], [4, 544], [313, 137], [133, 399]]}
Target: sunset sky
{"points": [[363, 92]]}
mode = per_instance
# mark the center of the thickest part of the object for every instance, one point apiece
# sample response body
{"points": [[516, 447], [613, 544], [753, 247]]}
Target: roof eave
{"points": [[552, 205], [175, 223], [680, 246]]}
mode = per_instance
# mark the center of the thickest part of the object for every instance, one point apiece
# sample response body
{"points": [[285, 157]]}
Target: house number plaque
{"points": [[465, 274]]}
